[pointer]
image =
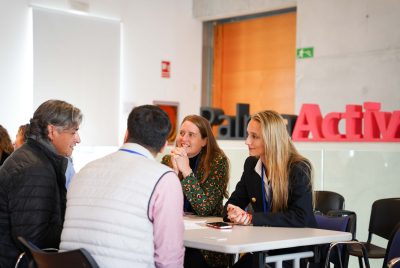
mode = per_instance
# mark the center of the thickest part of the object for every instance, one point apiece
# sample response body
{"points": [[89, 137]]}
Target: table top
{"points": [[241, 239]]}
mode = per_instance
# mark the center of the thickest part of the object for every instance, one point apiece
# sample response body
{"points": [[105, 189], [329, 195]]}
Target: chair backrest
{"points": [[352, 226], [393, 246], [332, 223], [327, 200], [385, 214], [78, 258]]}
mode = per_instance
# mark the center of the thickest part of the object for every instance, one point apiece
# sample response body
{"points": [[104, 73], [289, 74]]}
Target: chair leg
{"points": [[261, 259], [346, 258], [19, 259], [233, 259], [332, 246], [296, 263], [360, 262], [365, 256]]}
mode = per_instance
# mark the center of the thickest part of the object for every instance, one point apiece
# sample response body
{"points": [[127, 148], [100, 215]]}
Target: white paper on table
{"points": [[192, 224]]}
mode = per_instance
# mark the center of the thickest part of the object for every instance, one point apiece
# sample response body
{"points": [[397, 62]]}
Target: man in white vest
{"points": [[126, 208]]}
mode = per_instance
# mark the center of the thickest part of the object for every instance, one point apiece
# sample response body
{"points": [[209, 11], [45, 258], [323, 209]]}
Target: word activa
{"points": [[371, 125]]}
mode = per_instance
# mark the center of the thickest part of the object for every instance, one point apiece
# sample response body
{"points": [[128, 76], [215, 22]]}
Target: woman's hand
{"points": [[174, 165], [180, 161], [238, 215]]}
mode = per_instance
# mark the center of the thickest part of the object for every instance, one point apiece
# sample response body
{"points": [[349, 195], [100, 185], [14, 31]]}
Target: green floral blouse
{"points": [[206, 197]]}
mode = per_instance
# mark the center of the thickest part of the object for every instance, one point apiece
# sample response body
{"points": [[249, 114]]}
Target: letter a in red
{"points": [[309, 121]]}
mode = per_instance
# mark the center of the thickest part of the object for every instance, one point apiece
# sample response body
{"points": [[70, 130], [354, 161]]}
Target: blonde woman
{"points": [[276, 180]]}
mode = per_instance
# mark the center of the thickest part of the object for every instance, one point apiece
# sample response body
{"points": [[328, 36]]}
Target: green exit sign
{"points": [[305, 52]]}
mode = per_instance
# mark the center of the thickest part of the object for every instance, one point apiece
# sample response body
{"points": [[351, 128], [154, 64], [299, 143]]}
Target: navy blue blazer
{"points": [[300, 206]]}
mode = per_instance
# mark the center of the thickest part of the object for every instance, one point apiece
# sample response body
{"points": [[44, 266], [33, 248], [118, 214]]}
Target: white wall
{"points": [[156, 31], [220, 9], [76, 58], [153, 31], [356, 48], [356, 53], [16, 96]]}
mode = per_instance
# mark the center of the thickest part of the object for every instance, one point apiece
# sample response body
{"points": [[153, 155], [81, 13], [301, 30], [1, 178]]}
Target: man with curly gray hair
{"points": [[32, 181]]}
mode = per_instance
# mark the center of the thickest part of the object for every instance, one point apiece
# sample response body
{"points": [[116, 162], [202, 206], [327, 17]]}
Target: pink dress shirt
{"points": [[166, 212]]}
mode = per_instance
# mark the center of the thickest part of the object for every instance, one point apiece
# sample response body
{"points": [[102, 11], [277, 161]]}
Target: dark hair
{"points": [[55, 112], [5, 142], [148, 126]]}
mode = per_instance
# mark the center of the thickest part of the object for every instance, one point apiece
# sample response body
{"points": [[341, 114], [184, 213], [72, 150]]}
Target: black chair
{"points": [[351, 228], [78, 258], [327, 200], [352, 219], [392, 257], [344, 222], [385, 214]]}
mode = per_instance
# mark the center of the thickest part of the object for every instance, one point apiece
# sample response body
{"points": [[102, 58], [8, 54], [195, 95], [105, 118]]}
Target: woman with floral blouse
{"points": [[204, 172]]}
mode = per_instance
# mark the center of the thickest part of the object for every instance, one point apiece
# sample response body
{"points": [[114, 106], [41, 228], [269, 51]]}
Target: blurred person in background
{"points": [[6, 147], [20, 138]]}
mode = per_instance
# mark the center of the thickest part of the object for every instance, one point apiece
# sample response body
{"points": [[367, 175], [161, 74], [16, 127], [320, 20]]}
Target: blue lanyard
{"points": [[265, 202], [132, 152]]}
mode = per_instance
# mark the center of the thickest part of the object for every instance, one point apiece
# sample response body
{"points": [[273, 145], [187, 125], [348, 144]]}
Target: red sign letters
{"points": [[370, 125]]}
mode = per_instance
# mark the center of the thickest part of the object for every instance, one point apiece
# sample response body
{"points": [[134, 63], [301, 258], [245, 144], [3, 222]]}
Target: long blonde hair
{"points": [[280, 155]]}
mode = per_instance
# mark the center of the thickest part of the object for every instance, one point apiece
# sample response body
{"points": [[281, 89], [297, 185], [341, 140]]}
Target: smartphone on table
{"points": [[219, 225]]}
